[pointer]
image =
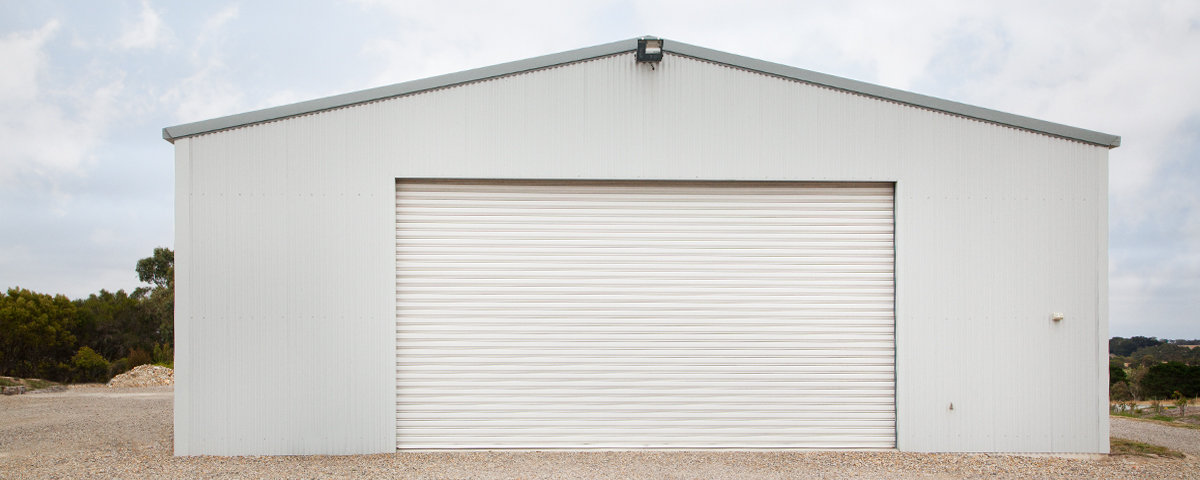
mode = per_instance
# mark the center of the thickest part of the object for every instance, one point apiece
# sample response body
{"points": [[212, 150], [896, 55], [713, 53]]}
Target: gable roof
{"points": [[630, 45]]}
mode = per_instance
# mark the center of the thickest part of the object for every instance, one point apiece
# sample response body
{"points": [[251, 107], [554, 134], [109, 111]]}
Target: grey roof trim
{"points": [[395, 90], [901, 96], [807, 76]]}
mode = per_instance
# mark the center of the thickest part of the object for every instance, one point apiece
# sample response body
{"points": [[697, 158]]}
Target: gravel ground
{"points": [[126, 433], [1181, 439]]}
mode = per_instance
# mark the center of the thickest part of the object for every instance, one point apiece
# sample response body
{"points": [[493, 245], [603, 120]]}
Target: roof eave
{"points": [[395, 90], [899, 96], [572, 56]]}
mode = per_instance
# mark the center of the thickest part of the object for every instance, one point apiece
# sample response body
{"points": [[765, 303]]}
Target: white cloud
{"points": [[102, 235], [205, 94], [214, 24], [148, 32], [283, 97], [209, 91], [437, 37], [21, 54], [48, 131]]}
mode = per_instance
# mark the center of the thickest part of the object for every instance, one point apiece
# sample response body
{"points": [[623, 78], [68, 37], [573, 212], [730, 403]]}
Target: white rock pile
{"points": [[144, 376]]}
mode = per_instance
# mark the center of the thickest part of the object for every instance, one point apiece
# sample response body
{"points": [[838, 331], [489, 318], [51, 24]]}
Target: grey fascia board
{"points": [[747, 63], [389, 91]]}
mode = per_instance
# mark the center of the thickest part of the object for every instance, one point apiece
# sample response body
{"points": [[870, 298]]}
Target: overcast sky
{"points": [[86, 181]]}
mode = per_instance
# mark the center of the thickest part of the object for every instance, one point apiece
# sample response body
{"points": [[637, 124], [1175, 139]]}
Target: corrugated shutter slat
{"points": [[558, 314]]}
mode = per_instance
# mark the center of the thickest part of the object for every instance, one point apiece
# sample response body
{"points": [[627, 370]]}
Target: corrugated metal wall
{"points": [[995, 228], [284, 303]]}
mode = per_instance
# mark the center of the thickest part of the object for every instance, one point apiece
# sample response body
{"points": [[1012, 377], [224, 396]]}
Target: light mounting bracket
{"points": [[650, 49]]}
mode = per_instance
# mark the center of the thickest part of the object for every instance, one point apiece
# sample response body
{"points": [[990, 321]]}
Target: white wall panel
{"points": [[286, 323], [996, 229], [184, 292]]}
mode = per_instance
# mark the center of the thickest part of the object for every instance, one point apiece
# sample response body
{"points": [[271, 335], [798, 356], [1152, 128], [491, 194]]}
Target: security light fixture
{"points": [[650, 50]]}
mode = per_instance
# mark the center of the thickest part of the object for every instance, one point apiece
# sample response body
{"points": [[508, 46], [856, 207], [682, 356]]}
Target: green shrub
{"points": [[1119, 392], [139, 357], [118, 366], [53, 369], [1116, 374], [1181, 402], [89, 366], [163, 354]]}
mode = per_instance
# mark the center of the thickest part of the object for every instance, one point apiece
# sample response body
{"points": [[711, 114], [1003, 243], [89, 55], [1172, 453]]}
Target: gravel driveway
{"points": [[1175, 438], [126, 433]]}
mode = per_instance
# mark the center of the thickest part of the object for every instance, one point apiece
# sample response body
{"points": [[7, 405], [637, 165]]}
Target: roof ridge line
{"points": [[622, 46]]}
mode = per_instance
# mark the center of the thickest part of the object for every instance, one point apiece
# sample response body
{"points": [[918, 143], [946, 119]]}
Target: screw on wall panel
{"points": [[952, 405]]}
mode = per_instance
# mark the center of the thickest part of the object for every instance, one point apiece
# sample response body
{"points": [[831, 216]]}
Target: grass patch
{"points": [[29, 383], [1121, 446], [38, 384], [1163, 418]]}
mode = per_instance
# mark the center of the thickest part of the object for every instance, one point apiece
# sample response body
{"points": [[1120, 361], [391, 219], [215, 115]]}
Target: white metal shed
{"points": [[585, 250]]}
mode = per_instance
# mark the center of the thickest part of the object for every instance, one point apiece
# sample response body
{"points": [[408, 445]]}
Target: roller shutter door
{"points": [[644, 314]]}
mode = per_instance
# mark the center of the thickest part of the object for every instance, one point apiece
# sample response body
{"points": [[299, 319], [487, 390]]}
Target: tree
{"points": [[113, 324], [89, 366], [157, 269], [1162, 380], [1135, 382], [35, 333], [1146, 361], [1119, 392], [1116, 374], [1143, 342], [39, 334], [1124, 347], [1121, 347], [159, 301], [1168, 352]]}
